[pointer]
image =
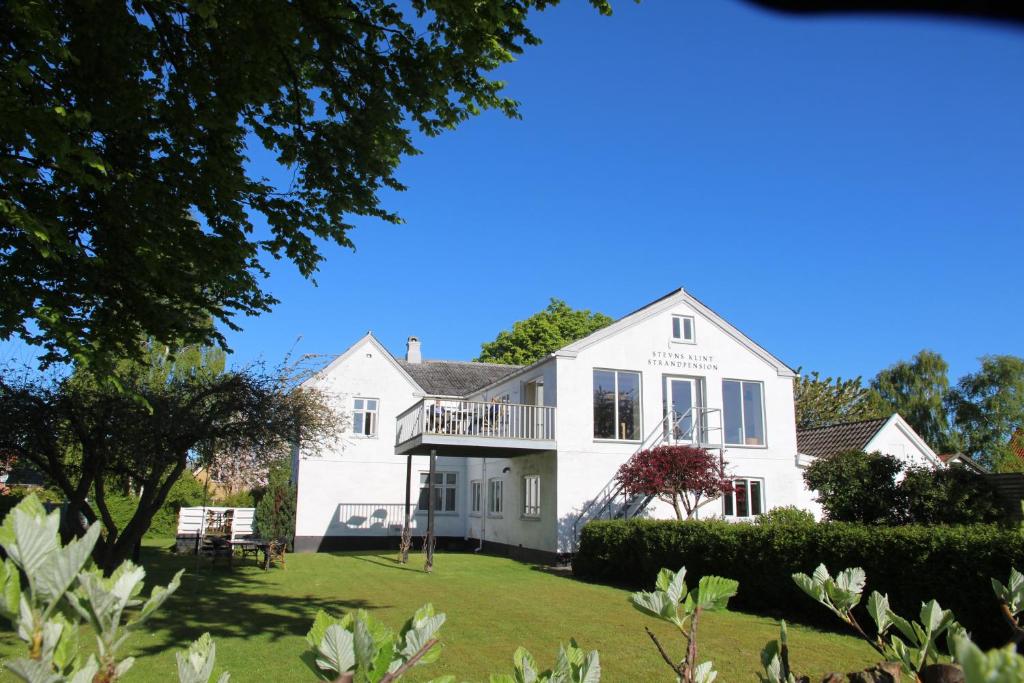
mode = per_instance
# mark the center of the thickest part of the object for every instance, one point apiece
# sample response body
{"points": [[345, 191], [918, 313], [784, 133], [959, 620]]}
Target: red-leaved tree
{"points": [[681, 475]]}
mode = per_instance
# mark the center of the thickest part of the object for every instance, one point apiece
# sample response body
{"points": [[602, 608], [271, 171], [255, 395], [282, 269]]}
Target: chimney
{"points": [[412, 350]]}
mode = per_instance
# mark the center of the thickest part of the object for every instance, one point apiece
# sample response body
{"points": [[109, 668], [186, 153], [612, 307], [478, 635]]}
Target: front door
{"points": [[683, 399]]}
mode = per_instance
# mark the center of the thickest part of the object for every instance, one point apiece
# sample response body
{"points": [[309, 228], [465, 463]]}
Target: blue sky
{"points": [[846, 191]]}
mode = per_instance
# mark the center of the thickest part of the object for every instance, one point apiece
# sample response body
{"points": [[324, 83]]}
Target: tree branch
{"points": [[411, 662], [664, 655]]}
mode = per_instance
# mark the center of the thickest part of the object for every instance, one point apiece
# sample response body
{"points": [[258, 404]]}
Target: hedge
{"points": [[912, 564]]}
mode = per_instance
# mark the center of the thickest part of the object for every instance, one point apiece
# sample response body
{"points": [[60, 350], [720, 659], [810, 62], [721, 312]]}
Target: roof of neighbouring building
{"points": [[455, 378], [850, 436]]}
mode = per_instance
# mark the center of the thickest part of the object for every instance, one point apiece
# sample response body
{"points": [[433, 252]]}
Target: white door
{"points": [[533, 395], [683, 400]]}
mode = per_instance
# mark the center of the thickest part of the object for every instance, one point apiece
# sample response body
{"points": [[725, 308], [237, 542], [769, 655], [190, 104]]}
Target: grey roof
{"points": [[851, 436], [455, 378]]}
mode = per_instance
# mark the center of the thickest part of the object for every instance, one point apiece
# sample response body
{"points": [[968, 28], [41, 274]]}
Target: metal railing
{"points": [[456, 417], [674, 428]]}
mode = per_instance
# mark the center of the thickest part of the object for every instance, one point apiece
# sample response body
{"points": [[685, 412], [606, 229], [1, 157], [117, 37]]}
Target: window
{"points": [[531, 496], [494, 491], [364, 416], [744, 412], [444, 491], [682, 329], [617, 405], [476, 492], [746, 500]]}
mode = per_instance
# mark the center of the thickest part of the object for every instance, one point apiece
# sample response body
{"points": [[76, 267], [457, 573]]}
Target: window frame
{"points": [[693, 329], [531, 481], [444, 486], [743, 415], [495, 511], [729, 506], [640, 405], [375, 413], [476, 497]]}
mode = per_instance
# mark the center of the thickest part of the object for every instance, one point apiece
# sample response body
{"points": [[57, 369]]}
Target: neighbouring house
{"points": [[526, 455], [963, 460]]}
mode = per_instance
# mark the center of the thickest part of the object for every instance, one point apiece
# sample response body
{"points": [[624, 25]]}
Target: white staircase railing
{"points": [[669, 430]]}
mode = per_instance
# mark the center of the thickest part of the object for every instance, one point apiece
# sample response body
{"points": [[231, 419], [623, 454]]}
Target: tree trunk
{"points": [[675, 506]]}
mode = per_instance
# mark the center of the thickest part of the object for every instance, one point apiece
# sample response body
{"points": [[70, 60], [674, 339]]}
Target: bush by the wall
{"points": [[953, 564]]}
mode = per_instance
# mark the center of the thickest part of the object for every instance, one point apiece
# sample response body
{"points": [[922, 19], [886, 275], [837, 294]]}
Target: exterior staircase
{"points": [[613, 502]]}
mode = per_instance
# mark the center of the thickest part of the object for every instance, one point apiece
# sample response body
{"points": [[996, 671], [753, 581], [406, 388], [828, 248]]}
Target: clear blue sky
{"points": [[846, 191]]}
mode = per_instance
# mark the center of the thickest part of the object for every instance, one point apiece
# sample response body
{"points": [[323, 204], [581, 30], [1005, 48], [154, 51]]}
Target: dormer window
{"points": [[682, 329]]}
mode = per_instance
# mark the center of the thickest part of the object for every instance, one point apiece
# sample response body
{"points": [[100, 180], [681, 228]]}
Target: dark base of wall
{"points": [[326, 544]]}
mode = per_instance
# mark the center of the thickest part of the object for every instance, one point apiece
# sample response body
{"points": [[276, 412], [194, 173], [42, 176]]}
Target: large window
{"points": [[743, 404], [682, 329], [531, 495], [444, 491], [494, 496], [476, 493], [364, 416], [617, 405], [746, 499]]}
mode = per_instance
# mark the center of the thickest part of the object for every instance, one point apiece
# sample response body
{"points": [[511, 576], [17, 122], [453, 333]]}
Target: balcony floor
{"points": [[473, 446]]}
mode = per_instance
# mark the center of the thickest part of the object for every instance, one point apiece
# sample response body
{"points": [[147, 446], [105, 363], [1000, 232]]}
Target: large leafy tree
{"points": [[821, 402], [917, 390], [542, 333], [92, 439], [129, 206], [687, 477], [988, 410], [853, 486]]}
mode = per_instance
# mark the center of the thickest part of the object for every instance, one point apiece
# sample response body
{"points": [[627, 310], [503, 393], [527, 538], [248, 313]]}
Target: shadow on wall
{"points": [[370, 519]]}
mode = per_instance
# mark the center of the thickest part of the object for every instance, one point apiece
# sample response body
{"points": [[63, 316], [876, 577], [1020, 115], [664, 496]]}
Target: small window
{"points": [[476, 492], [531, 496], [494, 494], [743, 404], [444, 491], [682, 329], [364, 416], [746, 499]]}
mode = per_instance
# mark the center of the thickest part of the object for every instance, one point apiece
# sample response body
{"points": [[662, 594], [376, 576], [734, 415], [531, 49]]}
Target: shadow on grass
{"points": [[230, 602], [387, 562]]}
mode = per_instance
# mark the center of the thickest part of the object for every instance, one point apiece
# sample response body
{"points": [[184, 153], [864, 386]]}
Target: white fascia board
{"points": [[904, 428], [345, 355], [666, 303]]}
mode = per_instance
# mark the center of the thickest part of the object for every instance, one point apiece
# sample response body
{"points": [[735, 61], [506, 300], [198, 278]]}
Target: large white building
{"points": [[526, 455]]}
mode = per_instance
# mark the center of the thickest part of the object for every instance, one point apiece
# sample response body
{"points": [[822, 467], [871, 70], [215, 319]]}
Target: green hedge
{"points": [[910, 563]]}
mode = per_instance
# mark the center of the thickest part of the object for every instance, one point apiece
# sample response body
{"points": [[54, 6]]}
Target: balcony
{"points": [[474, 428]]}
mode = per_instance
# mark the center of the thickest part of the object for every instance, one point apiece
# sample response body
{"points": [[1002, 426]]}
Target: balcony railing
{"points": [[455, 417]]}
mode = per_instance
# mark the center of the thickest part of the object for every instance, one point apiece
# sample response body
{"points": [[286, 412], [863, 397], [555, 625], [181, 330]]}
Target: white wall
{"points": [[511, 527]]}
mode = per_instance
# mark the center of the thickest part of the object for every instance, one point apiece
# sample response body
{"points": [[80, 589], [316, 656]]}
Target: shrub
{"points": [[951, 495], [240, 499], [786, 515], [854, 486], [275, 513], [911, 563]]}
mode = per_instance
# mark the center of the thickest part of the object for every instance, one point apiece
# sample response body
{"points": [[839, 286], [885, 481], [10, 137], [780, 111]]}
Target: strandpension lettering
{"points": [[683, 361]]}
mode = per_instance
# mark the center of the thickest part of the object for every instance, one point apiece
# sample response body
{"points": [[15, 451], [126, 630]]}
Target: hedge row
{"points": [[912, 564]]}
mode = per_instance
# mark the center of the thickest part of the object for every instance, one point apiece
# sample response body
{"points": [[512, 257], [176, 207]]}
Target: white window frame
{"points": [[444, 486], [693, 329], [743, 415], [373, 415], [476, 497], [495, 496], [640, 404], [729, 499], [531, 496]]}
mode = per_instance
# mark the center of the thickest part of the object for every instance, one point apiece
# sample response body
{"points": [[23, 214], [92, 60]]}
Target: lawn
{"points": [[259, 619]]}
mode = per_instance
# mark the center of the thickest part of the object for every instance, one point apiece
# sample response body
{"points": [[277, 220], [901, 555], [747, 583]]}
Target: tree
{"points": [[917, 390], [275, 513], [92, 440], [853, 486], [680, 475], [950, 495], [130, 207], [823, 402], [988, 408], [541, 334]]}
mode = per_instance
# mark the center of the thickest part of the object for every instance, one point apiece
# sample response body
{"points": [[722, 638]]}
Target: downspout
{"points": [[483, 511]]}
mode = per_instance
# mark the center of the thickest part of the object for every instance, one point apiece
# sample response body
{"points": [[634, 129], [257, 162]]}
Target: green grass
{"points": [[259, 619]]}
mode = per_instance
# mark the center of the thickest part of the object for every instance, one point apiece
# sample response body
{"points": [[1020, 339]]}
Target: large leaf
{"points": [[878, 608], [525, 666], [713, 592], [196, 664], [57, 575], [33, 670], [336, 651], [657, 604], [157, 597]]}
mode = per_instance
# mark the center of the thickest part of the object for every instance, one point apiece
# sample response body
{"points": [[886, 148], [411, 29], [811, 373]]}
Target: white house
{"points": [[526, 455]]}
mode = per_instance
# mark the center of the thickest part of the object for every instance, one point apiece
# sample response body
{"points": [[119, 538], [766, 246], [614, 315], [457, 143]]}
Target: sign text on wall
{"points": [[683, 361]]}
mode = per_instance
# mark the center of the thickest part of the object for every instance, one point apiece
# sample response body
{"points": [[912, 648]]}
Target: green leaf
{"points": [[336, 651], [713, 592], [525, 666], [878, 608]]}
